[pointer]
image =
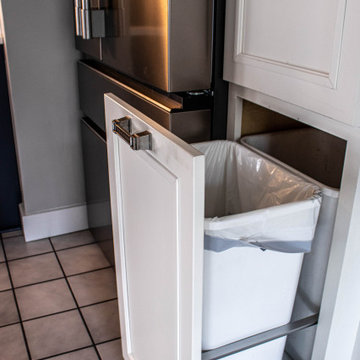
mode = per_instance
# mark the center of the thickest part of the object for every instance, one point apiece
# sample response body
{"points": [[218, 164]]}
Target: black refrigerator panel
{"points": [[166, 44], [192, 124], [86, 40], [89, 47], [10, 194], [97, 186]]}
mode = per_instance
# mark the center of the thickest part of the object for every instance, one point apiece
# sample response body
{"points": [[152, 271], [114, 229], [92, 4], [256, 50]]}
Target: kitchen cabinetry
{"points": [[337, 333], [301, 59], [305, 53], [157, 201], [158, 239], [312, 78]]}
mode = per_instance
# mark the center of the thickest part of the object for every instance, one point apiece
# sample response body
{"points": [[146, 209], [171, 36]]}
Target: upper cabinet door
{"points": [[157, 202], [303, 52]]}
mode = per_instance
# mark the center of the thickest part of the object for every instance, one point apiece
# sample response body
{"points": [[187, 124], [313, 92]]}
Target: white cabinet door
{"points": [[303, 52], [157, 201]]}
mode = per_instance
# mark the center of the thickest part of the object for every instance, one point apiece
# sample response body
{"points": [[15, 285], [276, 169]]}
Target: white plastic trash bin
{"points": [[260, 219], [317, 157]]}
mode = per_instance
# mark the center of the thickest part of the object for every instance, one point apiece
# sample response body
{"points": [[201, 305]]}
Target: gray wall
{"points": [[42, 72]]}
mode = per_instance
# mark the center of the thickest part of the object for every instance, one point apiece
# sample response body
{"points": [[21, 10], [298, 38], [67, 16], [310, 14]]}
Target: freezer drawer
{"points": [[97, 186], [94, 82]]}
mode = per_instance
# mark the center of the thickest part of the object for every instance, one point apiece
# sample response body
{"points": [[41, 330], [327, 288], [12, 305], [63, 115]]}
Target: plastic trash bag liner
{"points": [[251, 201]]}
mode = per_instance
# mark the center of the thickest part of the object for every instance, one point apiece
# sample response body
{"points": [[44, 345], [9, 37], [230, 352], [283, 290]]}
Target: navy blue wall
{"points": [[10, 195]]}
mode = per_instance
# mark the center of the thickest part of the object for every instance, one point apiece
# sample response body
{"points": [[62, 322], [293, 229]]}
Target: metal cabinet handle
{"points": [[139, 141]]}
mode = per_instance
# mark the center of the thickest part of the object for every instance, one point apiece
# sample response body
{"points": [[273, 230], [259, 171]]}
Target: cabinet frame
{"points": [[338, 331]]}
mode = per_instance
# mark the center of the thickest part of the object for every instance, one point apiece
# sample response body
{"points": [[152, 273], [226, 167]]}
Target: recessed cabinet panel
{"points": [[150, 253], [157, 202], [303, 52], [291, 32]]}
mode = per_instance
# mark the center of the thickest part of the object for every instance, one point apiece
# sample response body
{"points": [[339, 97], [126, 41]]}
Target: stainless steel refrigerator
{"points": [[163, 57]]}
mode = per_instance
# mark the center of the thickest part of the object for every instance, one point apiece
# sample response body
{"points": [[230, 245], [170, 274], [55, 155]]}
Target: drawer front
{"points": [[93, 84], [97, 187], [191, 126], [90, 47]]}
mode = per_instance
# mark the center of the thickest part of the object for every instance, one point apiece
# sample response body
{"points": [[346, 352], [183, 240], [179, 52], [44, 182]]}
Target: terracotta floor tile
{"points": [[56, 334]]}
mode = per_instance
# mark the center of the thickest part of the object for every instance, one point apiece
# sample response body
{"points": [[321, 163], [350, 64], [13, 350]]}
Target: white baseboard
{"points": [[53, 223]]}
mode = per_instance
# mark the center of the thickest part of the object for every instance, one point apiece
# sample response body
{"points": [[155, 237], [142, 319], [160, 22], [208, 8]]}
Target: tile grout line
{"points": [[30, 256], [64, 311], [73, 247], [37, 283], [82, 348], [97, 303], [107, 341], [48, 252], [15, 300], [13, 323], [11, 236], [89, 271], [49, 315], [5, 290], [67, 352], [59, 278], [76, 303]]}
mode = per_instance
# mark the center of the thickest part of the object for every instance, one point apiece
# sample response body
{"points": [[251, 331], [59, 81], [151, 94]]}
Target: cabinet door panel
{"points": [[304, 53], [302, 38], [157, 201]]}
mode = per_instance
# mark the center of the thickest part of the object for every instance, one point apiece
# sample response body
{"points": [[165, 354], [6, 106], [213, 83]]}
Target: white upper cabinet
{"points": [[306, 53]]}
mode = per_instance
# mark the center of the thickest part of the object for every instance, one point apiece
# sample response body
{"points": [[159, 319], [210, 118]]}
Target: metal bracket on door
{"points": [[139, 141], [89, 23], [259, 339]]}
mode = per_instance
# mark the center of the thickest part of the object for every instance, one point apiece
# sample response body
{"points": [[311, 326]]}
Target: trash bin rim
{"points": [[326, 190], [213, 224]]}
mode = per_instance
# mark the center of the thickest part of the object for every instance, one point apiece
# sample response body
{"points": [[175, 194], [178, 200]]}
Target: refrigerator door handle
{"points": [[90, 23], [78, 22], [85, 19], [139, 141]]}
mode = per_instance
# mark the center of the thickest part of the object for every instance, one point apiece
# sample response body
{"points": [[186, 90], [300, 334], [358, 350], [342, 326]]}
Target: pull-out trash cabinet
{"points": [[260, 219], [317, 157]]}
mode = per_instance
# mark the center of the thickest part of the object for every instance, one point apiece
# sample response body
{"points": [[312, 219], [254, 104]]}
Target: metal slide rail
{"points": [[260, 338]]}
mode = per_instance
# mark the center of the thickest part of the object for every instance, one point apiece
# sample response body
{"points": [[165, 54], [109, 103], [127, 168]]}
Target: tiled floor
{"points": [[57, 300]]}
